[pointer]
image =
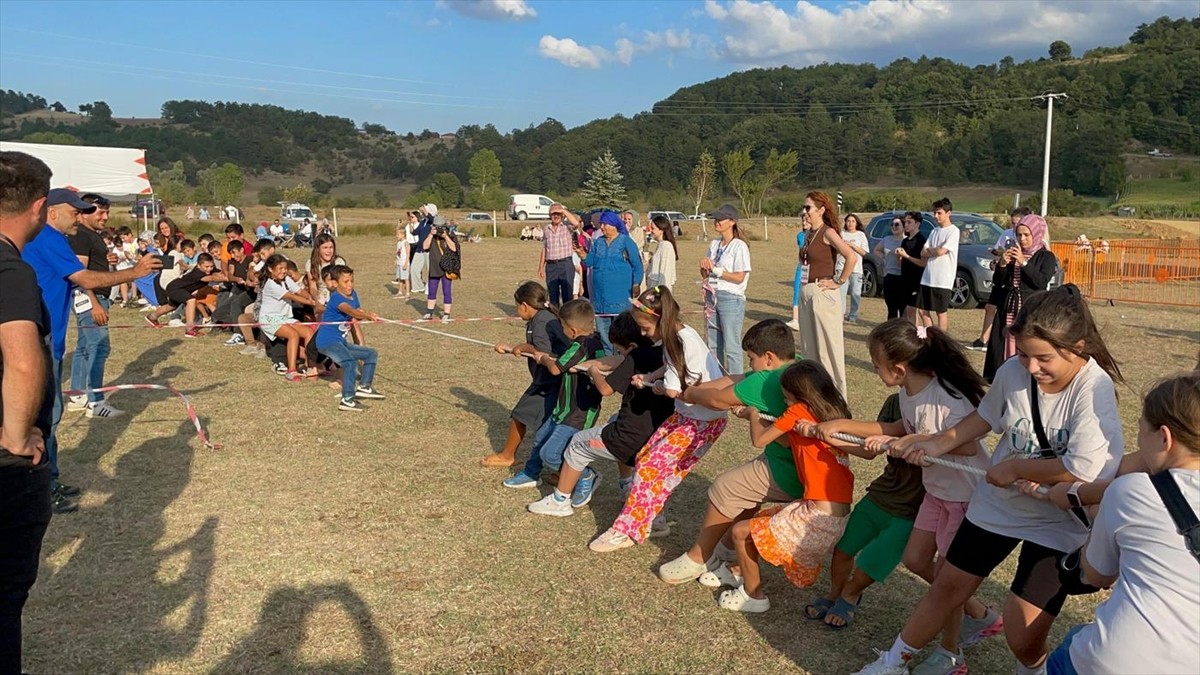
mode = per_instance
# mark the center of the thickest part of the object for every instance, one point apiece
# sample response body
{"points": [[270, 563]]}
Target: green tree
{"points": [[704, 175], [447, 190], [1060, 51], [97, 110], [169, 184], [484, 172], [298, 193], [605, 185], [777, 168], [737, 165], [381, 200], [321, 186], [202, 195], [51, 138], [270, 196], [226, 183]]}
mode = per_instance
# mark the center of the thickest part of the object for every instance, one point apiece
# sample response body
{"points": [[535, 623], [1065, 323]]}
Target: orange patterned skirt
{"points": [[798, 538]]}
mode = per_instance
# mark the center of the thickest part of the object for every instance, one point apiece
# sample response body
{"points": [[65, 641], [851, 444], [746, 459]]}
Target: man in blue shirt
{"points": [[58, 270], [419, 269]]}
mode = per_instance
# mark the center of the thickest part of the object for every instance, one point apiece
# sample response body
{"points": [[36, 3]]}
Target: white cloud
{"points": [[492, 10], [757, 32], [625, 50], [570, 53], [670, 39]]}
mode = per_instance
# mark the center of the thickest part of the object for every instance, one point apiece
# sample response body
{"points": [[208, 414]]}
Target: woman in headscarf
{"points": [[1023, 269], [616, 271]]}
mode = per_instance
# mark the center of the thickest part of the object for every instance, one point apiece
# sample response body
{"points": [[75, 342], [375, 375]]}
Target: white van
{"points": [[523, 207], [296, 212]]}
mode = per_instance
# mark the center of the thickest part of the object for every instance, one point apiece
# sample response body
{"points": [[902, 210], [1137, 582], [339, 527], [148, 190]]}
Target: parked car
{"points": [[152, 206], [524, 207], [478, 218], [297, 212], [977, 236]]}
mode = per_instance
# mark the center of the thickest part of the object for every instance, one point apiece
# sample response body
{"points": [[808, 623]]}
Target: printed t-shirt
{"points": [[329, 333], [939, 272], [578, 403], [701, 366], [273, 303], [824, 471], [931, 411], [86, 242], [20, 300], [545, 333], [642, 411], [734, 257], [54, 262], [761, 389], [1083, 426], [899, 490]]}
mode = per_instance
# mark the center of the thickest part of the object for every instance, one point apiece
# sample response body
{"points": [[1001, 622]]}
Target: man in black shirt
{"points": [[92, 344], [26, 397]]}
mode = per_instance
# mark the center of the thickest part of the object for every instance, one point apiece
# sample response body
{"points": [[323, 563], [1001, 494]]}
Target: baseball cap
{"points": [[726, 212], [69, 197]]}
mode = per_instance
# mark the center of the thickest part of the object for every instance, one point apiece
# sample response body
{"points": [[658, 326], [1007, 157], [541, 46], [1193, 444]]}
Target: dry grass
{"points": [[322, 541]]}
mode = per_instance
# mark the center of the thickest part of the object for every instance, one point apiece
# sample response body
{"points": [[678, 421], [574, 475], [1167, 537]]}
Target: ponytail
{"points": [[927, 351], [1061, 317], [659, 302], [535, 295]]}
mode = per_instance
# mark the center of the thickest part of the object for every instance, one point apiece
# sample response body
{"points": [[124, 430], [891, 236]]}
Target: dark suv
{"points": [[977, 236]]}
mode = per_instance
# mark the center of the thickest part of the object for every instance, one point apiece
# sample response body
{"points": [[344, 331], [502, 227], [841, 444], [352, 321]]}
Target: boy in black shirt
{"points": [[623, 436], [578, 404], [182, 291]]}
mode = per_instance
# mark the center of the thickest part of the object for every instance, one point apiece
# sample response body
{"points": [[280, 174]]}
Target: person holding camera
{"points": [[444, 266], [1025, 267]]}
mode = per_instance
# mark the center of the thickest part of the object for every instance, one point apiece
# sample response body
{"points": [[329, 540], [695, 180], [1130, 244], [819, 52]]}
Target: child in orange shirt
{"points": [[800, 536]]}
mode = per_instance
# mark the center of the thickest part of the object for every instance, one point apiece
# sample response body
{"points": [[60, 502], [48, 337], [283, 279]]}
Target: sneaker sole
{"points": [[994, 629], [373, 397], [556, 514], [591, 493], [340, 407], [522, 486]]}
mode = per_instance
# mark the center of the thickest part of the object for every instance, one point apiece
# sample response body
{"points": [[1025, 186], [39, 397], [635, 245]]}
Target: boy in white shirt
{"points": [[941, 264]]}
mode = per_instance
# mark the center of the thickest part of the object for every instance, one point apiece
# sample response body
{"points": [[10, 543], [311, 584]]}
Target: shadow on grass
{"points": [[275, 645], [495, 415]]}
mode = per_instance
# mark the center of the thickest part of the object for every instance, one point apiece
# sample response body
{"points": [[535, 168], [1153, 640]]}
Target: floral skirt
{"points": [[798, 538]]}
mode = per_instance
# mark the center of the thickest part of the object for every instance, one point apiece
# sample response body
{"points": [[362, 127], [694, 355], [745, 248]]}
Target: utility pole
{"points": [[1049, 99]]}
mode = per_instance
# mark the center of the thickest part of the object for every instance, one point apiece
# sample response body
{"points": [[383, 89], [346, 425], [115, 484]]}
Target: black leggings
{"points": [[895, 296]]}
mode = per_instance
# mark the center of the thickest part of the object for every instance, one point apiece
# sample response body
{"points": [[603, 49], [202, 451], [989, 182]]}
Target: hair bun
{"points": [[1071, 290]]}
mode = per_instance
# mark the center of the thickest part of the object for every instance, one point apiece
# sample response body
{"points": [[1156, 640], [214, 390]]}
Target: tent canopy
{"points": [[113, 172]]}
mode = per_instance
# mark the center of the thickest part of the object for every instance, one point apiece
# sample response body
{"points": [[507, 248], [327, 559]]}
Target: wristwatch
{"points": [[1073, 495]]}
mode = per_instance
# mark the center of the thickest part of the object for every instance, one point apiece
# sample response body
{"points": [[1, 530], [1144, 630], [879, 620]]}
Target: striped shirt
{"points": [[557, 242]]}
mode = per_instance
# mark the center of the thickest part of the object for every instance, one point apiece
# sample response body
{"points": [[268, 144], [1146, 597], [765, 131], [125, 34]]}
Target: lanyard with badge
{"points": [[808, 240]]}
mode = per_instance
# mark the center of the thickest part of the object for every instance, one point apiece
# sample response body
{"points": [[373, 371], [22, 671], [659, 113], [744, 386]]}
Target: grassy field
{"points": [[319, 541]]}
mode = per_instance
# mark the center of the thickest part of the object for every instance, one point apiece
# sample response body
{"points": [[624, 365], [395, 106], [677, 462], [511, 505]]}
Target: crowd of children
{"points": [[950, 523]]}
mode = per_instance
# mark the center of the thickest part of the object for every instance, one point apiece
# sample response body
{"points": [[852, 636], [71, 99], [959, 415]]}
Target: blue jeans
{"points": [[91, 353], [853, 287], [796, 287], [1059, 661], [560, 281], [725, 331], [55, 418], [347, 357], [549, 444], [603, 323]]}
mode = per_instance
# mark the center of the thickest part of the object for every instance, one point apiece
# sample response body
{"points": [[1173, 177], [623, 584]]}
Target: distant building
{"points": [[449, 137]]}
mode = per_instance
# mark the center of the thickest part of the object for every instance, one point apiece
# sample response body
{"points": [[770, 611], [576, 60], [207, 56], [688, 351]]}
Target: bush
{"points": [[1064, 203], [270, 196], [1169, 211], [871, 201], [788, 206]]}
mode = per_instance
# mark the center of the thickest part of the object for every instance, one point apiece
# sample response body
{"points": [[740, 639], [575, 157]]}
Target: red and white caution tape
{"points": [[191, 410]]}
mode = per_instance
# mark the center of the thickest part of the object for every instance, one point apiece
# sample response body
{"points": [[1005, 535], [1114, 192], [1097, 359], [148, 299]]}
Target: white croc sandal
{"points": [[738, 601], [721, 576]]}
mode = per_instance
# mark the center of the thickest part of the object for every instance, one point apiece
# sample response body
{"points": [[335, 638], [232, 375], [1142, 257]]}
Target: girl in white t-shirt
{"points": [[1150, 623], [681, 441], [402, 256], [1055, 408], [938, 388], [275, 317], [725, 271]]}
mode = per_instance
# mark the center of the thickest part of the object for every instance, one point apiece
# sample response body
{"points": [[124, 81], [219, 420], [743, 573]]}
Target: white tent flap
{"points": [[115, 172]]}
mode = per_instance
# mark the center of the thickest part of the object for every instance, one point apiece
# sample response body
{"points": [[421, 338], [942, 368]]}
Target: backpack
{"points": [[450, 262]]}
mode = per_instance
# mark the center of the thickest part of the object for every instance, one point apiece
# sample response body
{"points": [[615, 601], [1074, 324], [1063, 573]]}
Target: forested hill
{"points": [[928, 119]]}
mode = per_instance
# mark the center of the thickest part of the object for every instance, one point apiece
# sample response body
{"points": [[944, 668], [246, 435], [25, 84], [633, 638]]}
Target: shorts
{"points": [[586, 447], [797, 537], [402, 272], [877, 537], [932, 299], [744, 488], [942, 518], [535, 405], [178, 297], [978, 552], [271, 324]]}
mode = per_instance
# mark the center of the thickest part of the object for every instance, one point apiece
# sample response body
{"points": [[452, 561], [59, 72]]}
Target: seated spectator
{"points": [[262, 230], [526, 233], [538, 233], [305, 236], [276, 230]]}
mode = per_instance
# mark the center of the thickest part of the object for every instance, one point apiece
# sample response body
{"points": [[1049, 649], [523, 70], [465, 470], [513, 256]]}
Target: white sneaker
{"points": [[552, 506], [249, 350], [681, 570], [146, 308], [102, 409], [738, 600], [880, 666], [793, 324], [610, 541], [77, 403], [719, 577], [176, 323]]}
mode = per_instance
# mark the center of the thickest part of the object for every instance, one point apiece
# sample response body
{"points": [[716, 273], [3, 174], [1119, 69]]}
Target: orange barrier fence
{"points": [[1160, 272]]}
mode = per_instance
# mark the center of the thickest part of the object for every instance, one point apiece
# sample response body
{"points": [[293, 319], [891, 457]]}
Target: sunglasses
{"points": [[897, 224]]}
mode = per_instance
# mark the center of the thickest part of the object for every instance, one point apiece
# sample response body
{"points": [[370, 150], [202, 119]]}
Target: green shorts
{"points": [[876, 537]]}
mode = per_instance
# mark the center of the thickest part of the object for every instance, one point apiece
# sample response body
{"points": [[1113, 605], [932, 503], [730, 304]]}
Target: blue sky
{"points": [[444, 63]]}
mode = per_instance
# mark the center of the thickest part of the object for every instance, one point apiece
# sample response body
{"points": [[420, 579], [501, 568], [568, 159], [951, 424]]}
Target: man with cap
{"points": [[555, 264], [58, 271], [92, 344], [419, 267], [25, 398]]}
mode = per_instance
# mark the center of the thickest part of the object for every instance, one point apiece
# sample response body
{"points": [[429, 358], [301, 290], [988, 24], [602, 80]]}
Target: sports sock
{"points": [[1023, 669], [559, 495], [900, 653]]}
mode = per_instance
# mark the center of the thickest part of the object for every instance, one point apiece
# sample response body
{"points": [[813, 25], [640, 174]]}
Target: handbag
{"points": [[450, 262], [1181, 512]]}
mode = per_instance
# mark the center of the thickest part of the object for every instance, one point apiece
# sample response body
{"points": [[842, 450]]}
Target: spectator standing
{"points": [[92, 344], [26, 398], [798, 277], [616, 272], [662, 263], [912, 265], [636, 232], [1025, 268], [821, 331], [724, 273], [191, 212], [419, 270], [1007, 240], [440, 242], [856, 239], [58, 270], [893, 279], [941, 265], [204, 213], [555, 264]]}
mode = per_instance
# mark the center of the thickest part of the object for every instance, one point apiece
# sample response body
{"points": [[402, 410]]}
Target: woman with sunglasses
{"points": [[821, 334], [893, 282]]}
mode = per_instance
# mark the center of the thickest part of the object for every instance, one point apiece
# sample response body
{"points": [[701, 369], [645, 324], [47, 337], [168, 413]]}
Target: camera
{"points": [[443, 230]]}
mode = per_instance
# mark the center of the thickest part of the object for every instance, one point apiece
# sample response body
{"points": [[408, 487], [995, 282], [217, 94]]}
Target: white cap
{"points": [[431, 209]]}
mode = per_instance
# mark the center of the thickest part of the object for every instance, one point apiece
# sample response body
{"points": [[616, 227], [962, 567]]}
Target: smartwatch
{"points": [[1073, 495]]}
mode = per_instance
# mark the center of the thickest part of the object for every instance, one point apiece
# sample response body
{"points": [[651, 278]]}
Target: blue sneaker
{"points": [[584, 488], [521, 480]]}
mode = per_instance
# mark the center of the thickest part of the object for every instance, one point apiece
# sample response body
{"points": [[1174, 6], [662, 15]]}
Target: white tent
{"points": [[113, 172]]}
